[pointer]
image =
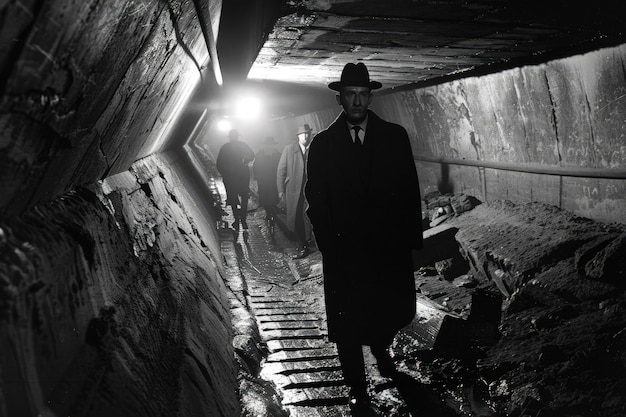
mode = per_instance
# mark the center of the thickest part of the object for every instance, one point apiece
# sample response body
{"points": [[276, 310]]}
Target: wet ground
{"points": [[521, 312], [285, 298]]}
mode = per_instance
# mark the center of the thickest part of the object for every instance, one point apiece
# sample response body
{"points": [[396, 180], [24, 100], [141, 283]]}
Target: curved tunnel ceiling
{"points": [[410, 43], [88, 87]]}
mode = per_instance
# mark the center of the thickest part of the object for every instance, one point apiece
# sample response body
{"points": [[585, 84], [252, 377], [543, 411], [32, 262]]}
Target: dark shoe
{"points": [[236, 226], [386, 366], [303, 254], [359, 403]]}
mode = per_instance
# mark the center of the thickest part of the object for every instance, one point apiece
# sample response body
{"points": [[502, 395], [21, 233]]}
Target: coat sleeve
{"points": [[256, 166], [220, 163], [248, 154], [281, 172], [316, 192], [413, 199]]}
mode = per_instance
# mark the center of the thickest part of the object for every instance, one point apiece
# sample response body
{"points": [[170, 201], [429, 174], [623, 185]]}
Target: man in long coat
{"points": [[232, 163], [265, 168], [290, 181], [364, 204]]}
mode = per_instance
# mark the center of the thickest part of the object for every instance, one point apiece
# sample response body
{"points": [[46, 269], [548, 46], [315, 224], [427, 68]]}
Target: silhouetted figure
{"points": [[290, 182], [265, 168], [364, 204], [232, 163]]}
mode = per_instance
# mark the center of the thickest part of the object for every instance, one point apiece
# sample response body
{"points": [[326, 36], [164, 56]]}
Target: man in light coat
{"points": [[290, 180], [364, 204]]}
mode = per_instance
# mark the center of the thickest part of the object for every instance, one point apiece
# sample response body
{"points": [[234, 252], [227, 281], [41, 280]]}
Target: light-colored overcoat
{"points": [[290, 179]]}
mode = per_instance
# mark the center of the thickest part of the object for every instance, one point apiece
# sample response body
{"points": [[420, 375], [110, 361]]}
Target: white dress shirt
{"points": [[362, 125]]}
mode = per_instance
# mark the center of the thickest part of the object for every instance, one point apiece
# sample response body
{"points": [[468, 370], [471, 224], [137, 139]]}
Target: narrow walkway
{"points": [[287, 300], [286, 297]]}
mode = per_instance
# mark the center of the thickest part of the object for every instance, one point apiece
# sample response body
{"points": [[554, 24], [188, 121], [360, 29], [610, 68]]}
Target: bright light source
{"points": [[248, 108], [224, 125]]}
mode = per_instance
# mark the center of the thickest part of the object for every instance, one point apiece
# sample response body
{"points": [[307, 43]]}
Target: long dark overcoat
{"points": [[366, 216], [232, 163], [264, 168]]}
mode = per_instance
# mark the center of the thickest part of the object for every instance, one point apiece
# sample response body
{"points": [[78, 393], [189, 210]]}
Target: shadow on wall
{"points": [[445, 185]]}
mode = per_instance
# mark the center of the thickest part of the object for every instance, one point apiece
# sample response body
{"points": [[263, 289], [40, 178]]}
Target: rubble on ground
{"points": [[561, 335]]}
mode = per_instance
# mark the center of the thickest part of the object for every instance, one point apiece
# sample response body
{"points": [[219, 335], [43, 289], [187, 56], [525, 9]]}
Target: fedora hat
{"points": [[270, 140], [305, 129], [354, 75]]}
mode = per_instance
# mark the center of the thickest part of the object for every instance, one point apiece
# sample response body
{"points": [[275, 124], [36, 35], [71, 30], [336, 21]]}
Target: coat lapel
{"points": [[370, 150], [343, 145], [360, 169]]}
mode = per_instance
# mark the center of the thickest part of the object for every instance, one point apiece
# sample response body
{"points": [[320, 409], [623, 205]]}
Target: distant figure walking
{"points": [[232, 164], [360, 169], [290, 182], [265, 169]]}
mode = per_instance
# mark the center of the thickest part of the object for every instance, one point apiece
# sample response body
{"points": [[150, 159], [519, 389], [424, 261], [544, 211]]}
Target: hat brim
{"points": [[338, 85]]}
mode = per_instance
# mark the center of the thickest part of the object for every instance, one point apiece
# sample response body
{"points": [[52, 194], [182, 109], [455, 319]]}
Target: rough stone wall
{"points": [[87, 87], [112, 303], [567, 113]]}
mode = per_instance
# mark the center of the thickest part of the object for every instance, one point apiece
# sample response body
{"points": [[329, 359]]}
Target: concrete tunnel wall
{"points": [[111, 297], [566, 113], [89, 87], [112, 301]]}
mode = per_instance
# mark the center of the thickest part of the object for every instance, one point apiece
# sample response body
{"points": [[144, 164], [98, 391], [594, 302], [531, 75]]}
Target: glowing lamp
{"points": [[224, 125], [248, 108]]}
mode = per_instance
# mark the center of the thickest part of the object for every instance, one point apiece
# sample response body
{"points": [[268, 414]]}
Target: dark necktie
{"points": [[357, 139]]}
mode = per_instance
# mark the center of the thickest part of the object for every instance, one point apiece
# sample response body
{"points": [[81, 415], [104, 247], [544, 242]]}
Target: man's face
{"points": [[355, 102], [233, 136], [304, 138]]}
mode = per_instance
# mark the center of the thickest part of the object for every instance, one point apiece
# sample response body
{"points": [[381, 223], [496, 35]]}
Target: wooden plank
{"points": [[316, 396], [313, 333], [296, 344], [301, 355]]}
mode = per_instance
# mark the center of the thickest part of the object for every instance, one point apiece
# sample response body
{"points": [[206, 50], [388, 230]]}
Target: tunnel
{"points": [[125, 290]]}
